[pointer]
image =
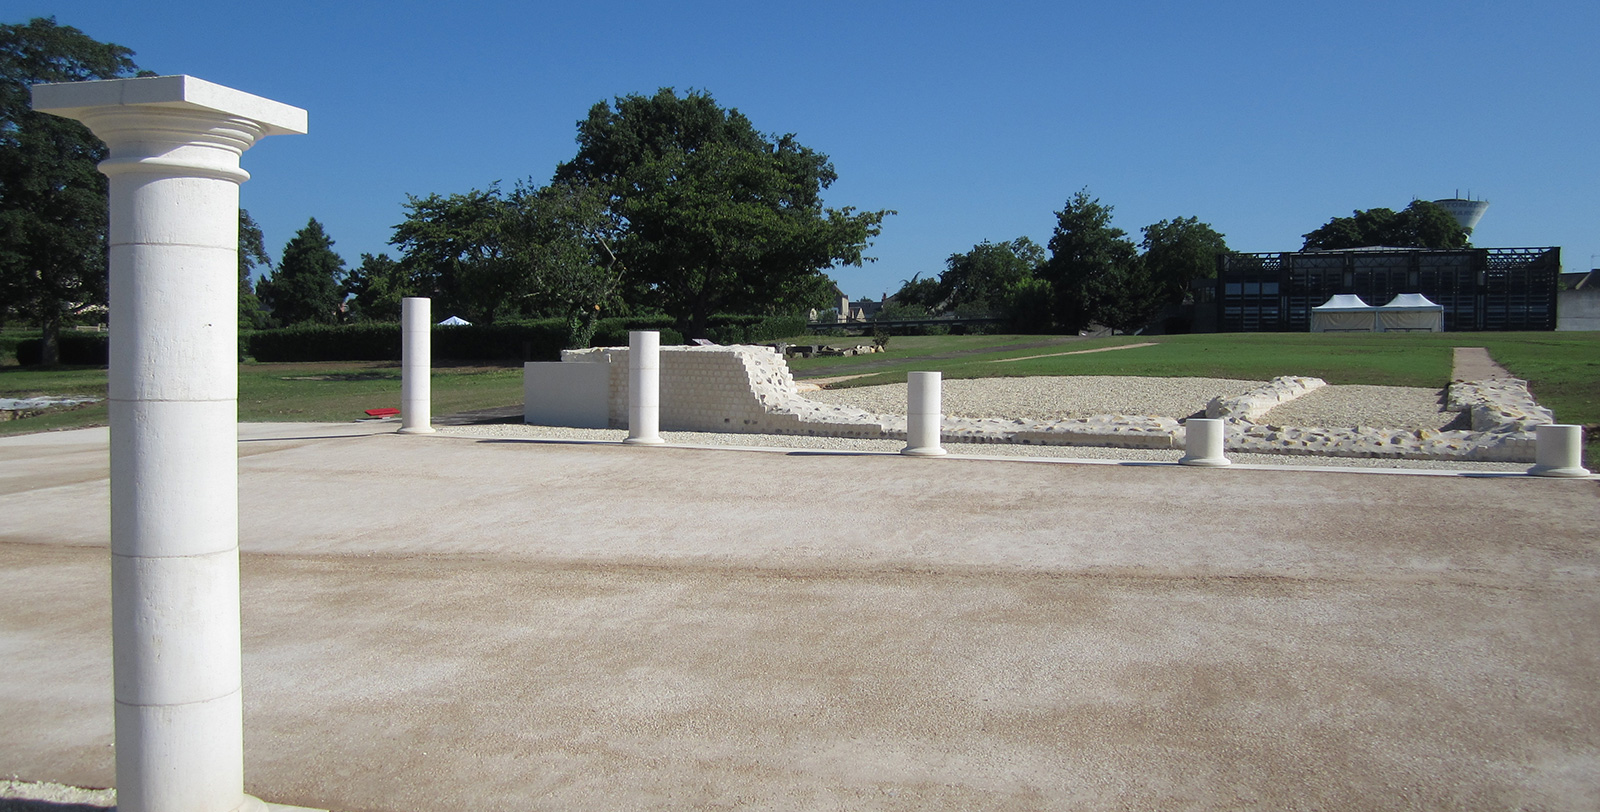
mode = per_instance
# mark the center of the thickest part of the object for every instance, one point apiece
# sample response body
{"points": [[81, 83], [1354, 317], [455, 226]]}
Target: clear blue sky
{"points": [[973, 120]]}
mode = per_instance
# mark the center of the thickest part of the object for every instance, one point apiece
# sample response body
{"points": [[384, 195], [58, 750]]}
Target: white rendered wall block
{"points": [[572, 395], [175, 144], [416, 365]]}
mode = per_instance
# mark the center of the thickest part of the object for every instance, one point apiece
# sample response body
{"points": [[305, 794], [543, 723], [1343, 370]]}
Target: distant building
{"points": [[1480, 288]]}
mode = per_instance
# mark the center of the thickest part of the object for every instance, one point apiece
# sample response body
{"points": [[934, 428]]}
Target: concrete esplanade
{"points": [[460, 623]]}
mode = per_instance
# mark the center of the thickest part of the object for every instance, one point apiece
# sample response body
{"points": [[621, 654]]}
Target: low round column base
{"points": [[1569, 473], [924, 451]]}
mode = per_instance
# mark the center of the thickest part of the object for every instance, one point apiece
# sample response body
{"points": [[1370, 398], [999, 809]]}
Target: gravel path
{"points": [[1051, 398]]}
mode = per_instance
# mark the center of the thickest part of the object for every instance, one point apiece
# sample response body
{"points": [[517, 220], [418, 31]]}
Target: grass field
{"points": [[1563, 369]]}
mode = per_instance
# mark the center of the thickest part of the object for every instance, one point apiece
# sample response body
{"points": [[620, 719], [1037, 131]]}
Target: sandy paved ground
{"points": [[446, 623]]}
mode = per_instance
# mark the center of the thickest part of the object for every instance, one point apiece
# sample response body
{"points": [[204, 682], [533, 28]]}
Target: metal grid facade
{"points": [[1480, 288]]}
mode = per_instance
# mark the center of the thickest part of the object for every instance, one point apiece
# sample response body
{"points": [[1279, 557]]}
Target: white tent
{"points": [[1344, 313], [454, 321], [1411, 312]]}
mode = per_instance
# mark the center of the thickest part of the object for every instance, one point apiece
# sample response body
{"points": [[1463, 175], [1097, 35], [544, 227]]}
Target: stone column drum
{"points": [[1558, 451], [175, 143], [1203, 440], [416, 363], [924, 413], [644, 388]]}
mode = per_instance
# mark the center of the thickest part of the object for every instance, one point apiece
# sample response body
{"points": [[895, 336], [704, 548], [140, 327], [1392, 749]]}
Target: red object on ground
{"points": [[382, 412]]}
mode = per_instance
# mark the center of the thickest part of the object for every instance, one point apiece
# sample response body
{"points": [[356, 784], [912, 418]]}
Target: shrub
{"points": [[77, 349]]}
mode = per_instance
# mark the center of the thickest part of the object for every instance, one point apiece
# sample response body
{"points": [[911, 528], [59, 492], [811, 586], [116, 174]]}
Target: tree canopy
{"points": [[52, 197], [714, 215], [306, 287], [1420, 225], [1179, 251], [252, 255], [1095, 272]]}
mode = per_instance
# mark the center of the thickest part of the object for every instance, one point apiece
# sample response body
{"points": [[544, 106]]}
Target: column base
{"points": [[1205, 462], [924, 451], [1570, 473], [254, 804], [417, 430], [643, 441]]}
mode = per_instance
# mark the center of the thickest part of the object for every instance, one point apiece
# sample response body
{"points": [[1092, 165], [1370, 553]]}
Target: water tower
{"points": [[1466, 211]]}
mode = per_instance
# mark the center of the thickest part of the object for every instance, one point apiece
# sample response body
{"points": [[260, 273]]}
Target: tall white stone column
{"points": [[924, 414], [644, 387], [416, 365], [175, 144]]}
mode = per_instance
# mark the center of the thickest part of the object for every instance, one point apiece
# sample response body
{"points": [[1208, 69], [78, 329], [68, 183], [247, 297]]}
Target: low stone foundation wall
{"points": [[1504, 421], [749, 389]]}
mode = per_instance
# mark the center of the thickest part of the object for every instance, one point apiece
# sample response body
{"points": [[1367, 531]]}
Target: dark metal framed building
{"points": [[1480, 288]]}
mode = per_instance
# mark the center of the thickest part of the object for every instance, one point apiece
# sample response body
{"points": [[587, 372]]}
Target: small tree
{"points": [[306, 287], [252, 254], [376, 287], [1095, 272], [977, 281]]}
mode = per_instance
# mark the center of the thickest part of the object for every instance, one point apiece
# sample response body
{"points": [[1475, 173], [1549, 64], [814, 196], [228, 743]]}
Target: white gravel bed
{"points": [[1051, 398], [1387, 407], [503, 431]]}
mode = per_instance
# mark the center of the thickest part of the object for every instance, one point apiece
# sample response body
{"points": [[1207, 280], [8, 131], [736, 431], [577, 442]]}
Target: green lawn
{"points": [[310, 392]]}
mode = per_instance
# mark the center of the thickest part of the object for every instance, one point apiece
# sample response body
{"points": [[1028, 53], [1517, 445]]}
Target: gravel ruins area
{"points": [[1085, 396]]}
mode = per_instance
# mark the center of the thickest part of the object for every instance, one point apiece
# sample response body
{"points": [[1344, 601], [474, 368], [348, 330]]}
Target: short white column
{"points": [[1558, 451], [416, 365], [924, 414], [1203, 442], [644, 387], [175, 143]]}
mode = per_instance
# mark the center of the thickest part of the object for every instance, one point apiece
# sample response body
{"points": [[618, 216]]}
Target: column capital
{"points": [[170, 125]]}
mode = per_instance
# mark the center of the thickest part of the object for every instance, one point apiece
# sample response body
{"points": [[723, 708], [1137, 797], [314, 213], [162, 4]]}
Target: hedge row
{"points": [[77, 349], [537, 340]]}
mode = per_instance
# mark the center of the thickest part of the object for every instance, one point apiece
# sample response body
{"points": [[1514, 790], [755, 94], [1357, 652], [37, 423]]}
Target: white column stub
{"points": [[175, 143], [1204, 442], [644, 388], [924, 414], [416, 365], [1558, 451]]}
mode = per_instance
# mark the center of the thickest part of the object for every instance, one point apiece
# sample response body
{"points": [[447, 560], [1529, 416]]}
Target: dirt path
{"points": [[1474, 364]]}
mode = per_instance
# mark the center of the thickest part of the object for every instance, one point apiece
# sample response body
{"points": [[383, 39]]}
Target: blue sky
{"points": [[973, 121]]}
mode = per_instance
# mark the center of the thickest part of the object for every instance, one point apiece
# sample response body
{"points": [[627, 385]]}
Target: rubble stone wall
{"points": [[749, 389]]}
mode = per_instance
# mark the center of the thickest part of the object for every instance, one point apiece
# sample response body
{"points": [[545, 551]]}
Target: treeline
{"points": [[1092, 274], [506, 340]]}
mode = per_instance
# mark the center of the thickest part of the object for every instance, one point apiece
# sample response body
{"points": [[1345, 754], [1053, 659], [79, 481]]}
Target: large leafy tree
{"points": [[568, 236], [1179, 251], [1419, 225], [714, 215], [980, 279], [1095, 272], [306, 287], [52, 199]]}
